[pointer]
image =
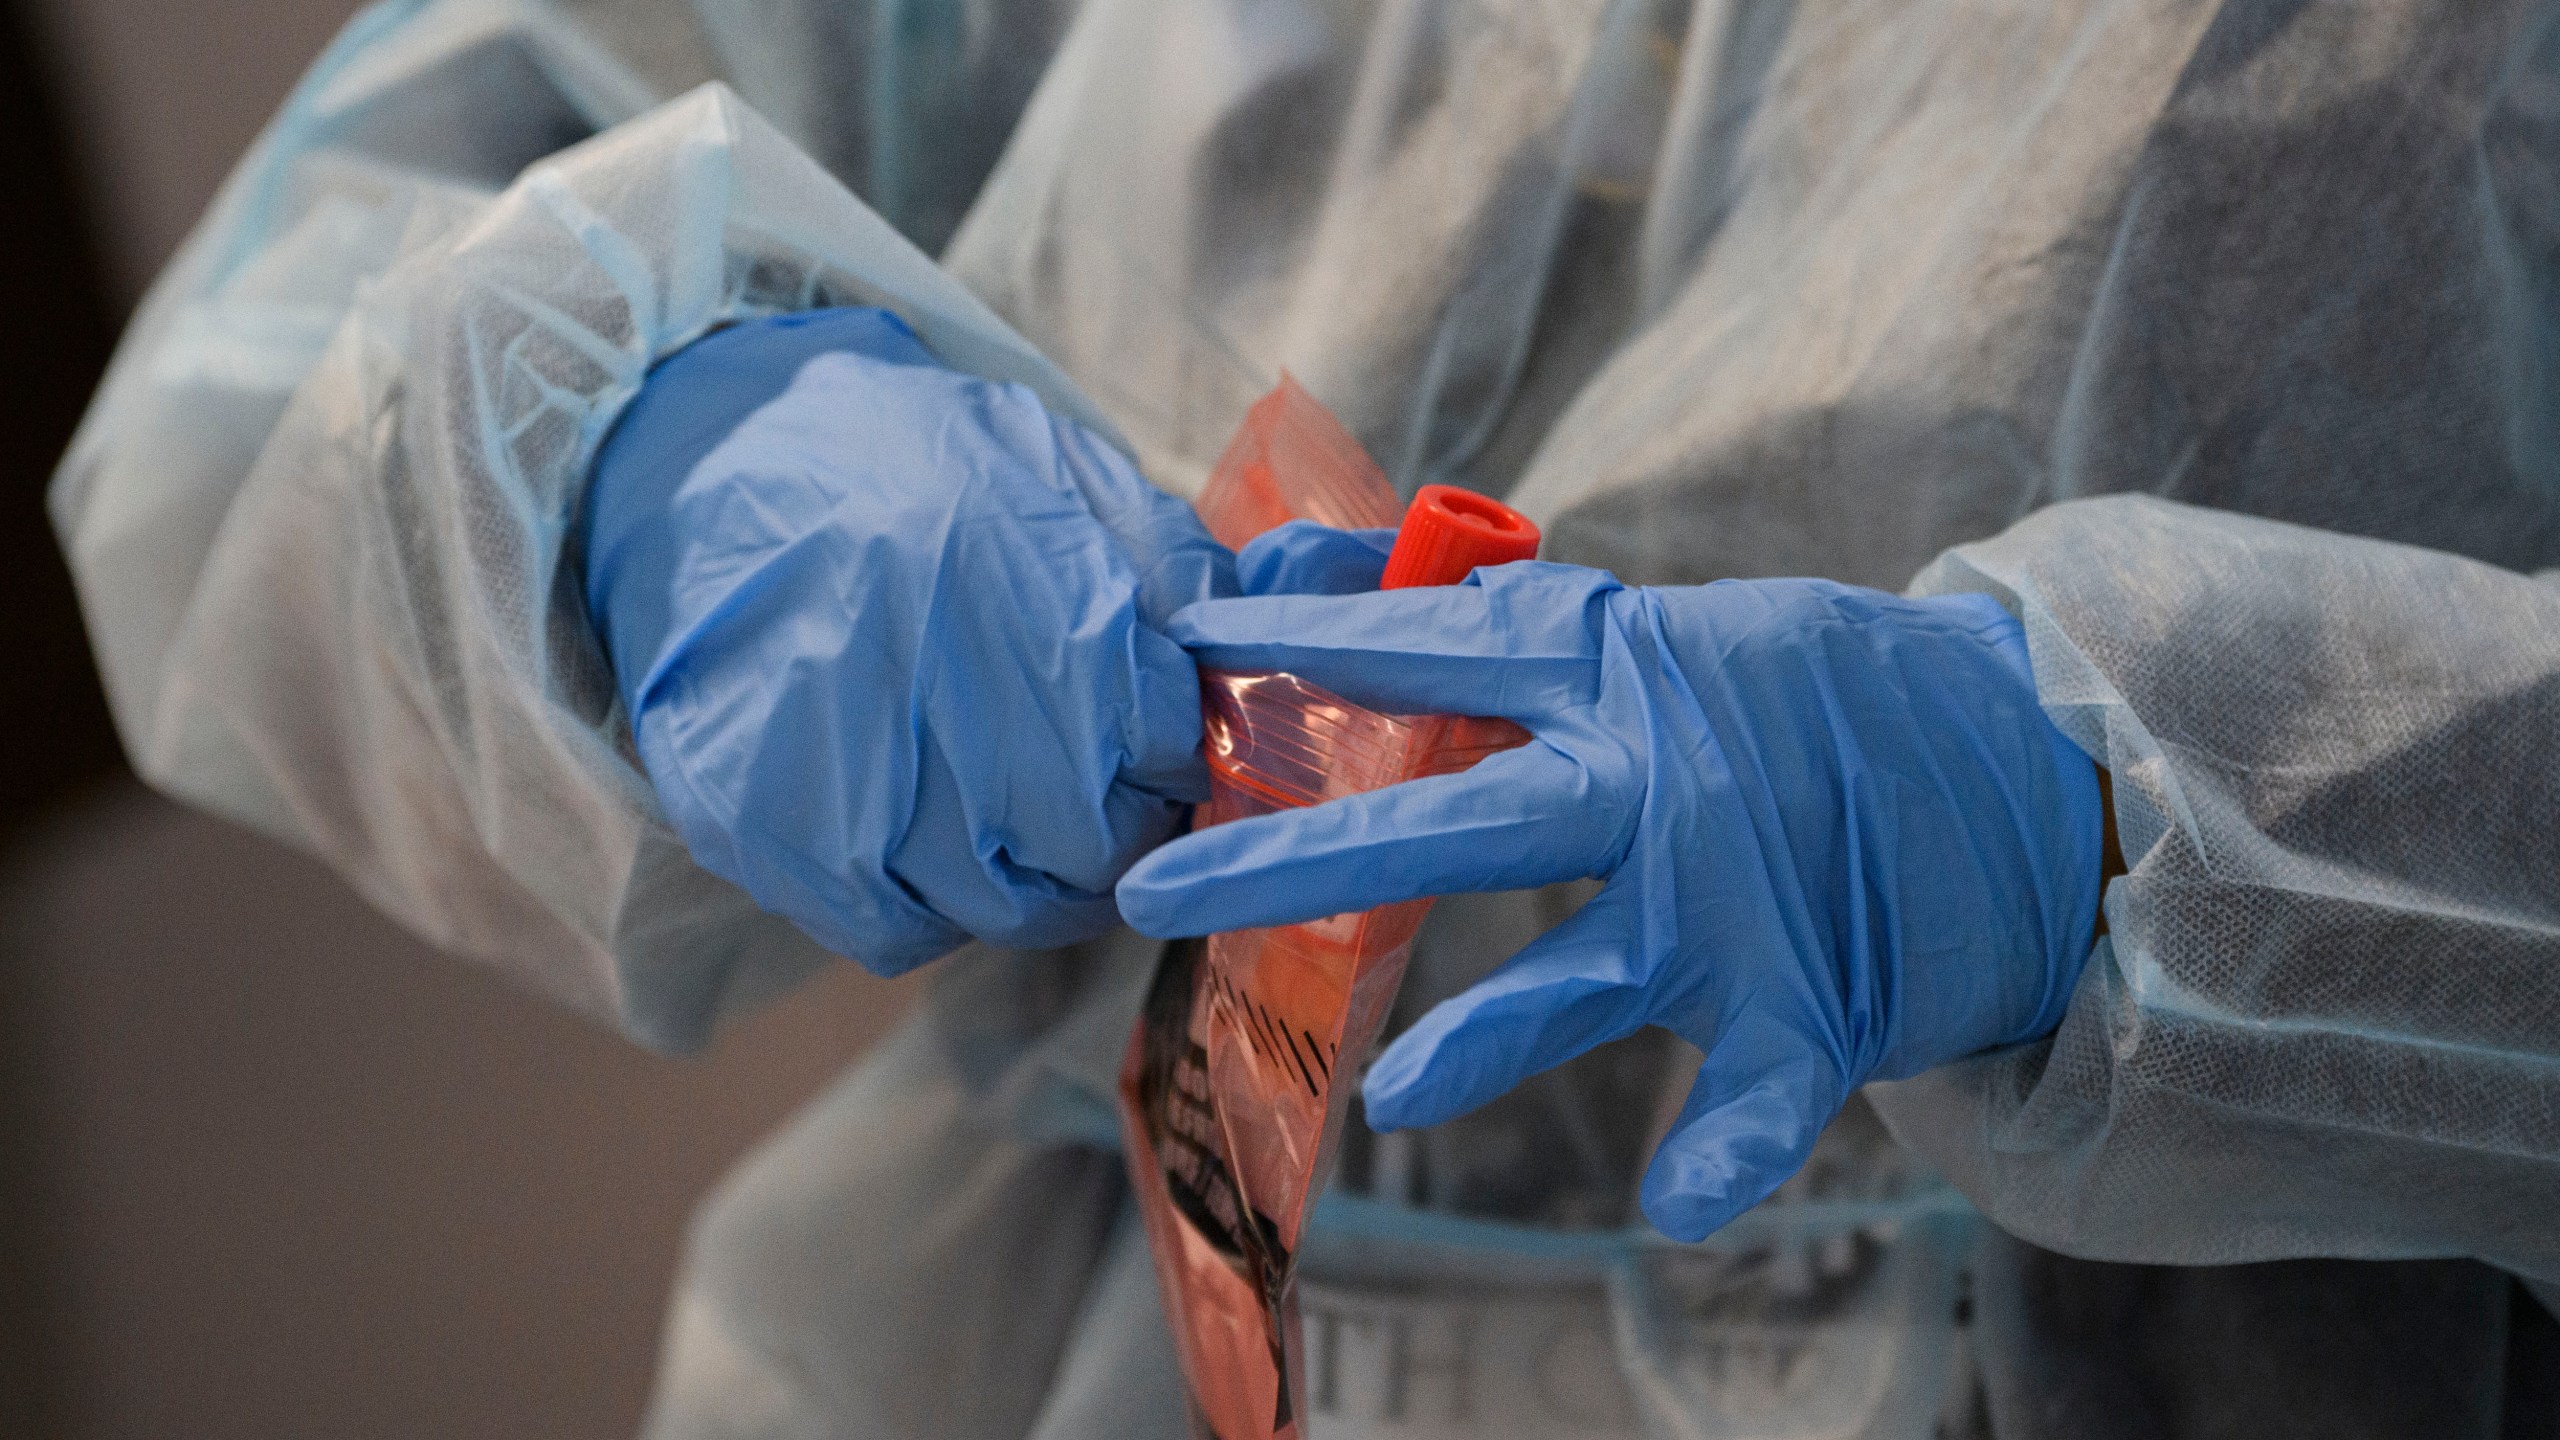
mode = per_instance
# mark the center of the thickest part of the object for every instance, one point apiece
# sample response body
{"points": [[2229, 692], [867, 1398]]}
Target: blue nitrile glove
{"points": [[887, 635], [1841, 841], [1305, 558]]}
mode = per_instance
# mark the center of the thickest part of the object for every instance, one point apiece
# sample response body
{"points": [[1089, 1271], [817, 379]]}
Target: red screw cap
{"points": [[1448, 532]]}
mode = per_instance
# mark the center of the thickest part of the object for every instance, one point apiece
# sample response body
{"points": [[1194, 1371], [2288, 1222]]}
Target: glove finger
{"points": [[1305, 558], [1749, 1124], [1521, 642], [1525, 817], [1162, 724], [1576, 987]]}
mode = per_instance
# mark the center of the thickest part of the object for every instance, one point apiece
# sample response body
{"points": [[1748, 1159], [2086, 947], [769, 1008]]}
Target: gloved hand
{"points": [[887, 635], [1841, 841]]}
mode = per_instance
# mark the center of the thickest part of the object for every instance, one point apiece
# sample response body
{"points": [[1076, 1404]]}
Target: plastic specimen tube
{"points": [[1238, 1079]]}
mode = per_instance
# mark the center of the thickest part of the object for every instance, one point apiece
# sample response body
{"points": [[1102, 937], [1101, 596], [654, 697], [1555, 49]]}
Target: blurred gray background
{"points": [[267, 1166]]}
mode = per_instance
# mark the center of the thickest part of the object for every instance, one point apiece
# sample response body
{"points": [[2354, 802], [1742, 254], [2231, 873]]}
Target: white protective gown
{"points": [[2220, 341]]}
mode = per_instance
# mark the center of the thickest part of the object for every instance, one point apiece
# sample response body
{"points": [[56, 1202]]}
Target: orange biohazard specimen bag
{"points": [[1239, 1076]]}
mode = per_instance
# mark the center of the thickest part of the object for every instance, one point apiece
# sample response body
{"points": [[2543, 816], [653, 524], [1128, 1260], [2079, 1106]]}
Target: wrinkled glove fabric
{"points": [[886, 636]]}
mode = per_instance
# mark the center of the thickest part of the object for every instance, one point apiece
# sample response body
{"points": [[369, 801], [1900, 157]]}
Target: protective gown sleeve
{"points": [[2324, 1017], [318, 512]]}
